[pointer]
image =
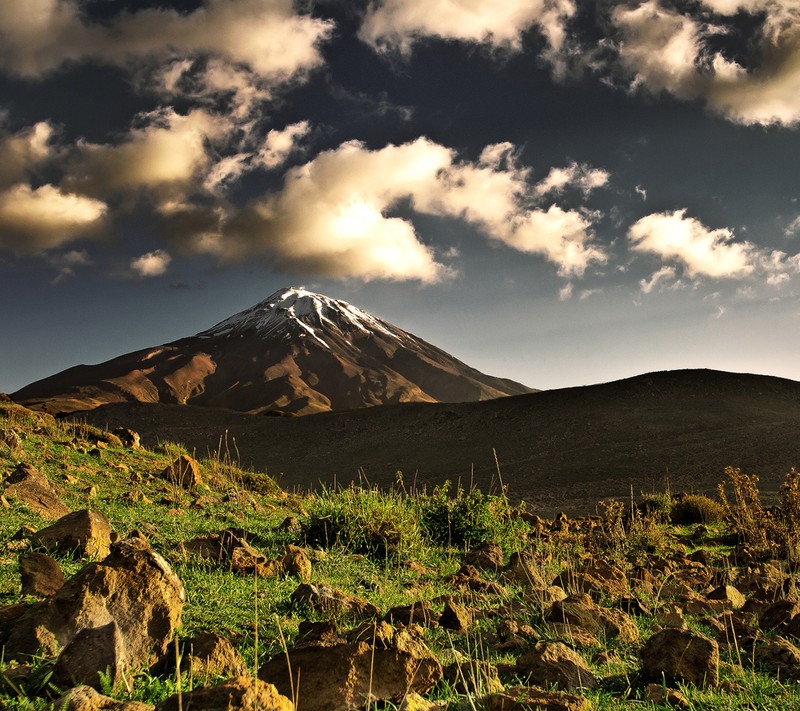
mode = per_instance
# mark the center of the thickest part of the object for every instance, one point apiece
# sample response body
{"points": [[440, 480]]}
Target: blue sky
{"points": [[556, 191]]}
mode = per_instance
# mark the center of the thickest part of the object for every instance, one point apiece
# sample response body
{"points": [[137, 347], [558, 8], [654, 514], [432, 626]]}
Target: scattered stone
{"points": [[41, 575], [488, 556], [348, 676], [297, 563], [11, 440], [85, 698], [29, 486], [324, 599], [554, 664], [579, 610], [184, 472], [527, 698], [234, 552], [469, 577], [414, 702], [778, 615], [597, 578], [242, 693], [290, 524], [681, 655], [134, 587], [84, 533], [209, 654], [419, 613], [455, 617], [522, 570], [471, 675], [128, 437], [780, 657], [733, 599], [659, 694]]}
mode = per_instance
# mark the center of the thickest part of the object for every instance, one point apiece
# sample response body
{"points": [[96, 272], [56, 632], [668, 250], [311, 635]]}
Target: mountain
{"points": [[557, 449], [296, 352]]}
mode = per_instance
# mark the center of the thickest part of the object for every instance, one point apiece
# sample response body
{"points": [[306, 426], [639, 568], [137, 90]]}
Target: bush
{"points": [[696, 508], [657, 507]]}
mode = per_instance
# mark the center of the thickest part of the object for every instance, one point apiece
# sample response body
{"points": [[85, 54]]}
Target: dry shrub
{"points": [[696, 508], [747, 515], [790, 514]]}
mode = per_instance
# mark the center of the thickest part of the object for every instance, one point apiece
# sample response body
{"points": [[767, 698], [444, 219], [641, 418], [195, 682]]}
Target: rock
{"points": [[419, 613], [233, 552], [184, 472], [554, 664], [41, 575], [455, 617], [527, 698], [597, 578], [84, 533], [469, 577], [209, 654], [290, 524], [659, 694], [11, 440], [780, 657], [133, 587], [128, 437], [579, 610], [414, 702], [472, 676], [84, 698], [242, 693], [521, 569], [681, 655], [346, 676], [297, 564], [91, 651], [778, 615], [729, 595], [487, 555], [321, 634], [9, 614], [29, 486], [573, 636], [324, 599]]}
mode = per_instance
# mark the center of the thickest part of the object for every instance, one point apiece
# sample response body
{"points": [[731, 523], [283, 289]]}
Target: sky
{"points": [[562, 192]]}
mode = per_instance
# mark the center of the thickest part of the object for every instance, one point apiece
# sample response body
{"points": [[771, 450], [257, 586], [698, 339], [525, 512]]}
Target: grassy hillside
{"points": [[399, 547]]}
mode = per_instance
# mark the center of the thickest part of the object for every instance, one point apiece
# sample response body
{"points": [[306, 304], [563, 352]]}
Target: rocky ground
{"points": [[135, 579]]}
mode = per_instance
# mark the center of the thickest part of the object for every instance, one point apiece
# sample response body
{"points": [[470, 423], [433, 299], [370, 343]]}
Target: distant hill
{"points": [[296, 352], [559, 449]]}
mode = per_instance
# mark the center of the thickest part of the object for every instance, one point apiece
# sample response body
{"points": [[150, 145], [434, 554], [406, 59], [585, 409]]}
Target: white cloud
{"points": [[151, 264], [664, 50], [576, 176], [701, 251], [663, 276], [267, 36], [21, 153], [279, 144], [793, 228], [398, 24], [334, 213], [33, 221]]}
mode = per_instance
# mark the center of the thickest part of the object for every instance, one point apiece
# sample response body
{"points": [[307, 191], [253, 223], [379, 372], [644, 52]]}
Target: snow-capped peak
{"points": [[311, 312]]}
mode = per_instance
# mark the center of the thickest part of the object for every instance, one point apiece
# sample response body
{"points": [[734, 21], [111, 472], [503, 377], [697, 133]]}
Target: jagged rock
{"points": [[184, 472], [290, 524], [29, 486], [729, 595], [780, 657], [11, 440], [778, 615], [469, 577], [297, 563], [681, 655], [734, 630], [91, 651], [233, 552], [659, 694], [573, 636], [209, 654], [522, 570], [128, 437], [346, 676], [579, 610], [419, 613], [84, 533], [242, 693], [133, 587], [325, 599], [414, 702], [554, 664], [471, 675], [487, 555], [85, 698], [455, 617], [597, 578], [527, 698], [40, 575]]}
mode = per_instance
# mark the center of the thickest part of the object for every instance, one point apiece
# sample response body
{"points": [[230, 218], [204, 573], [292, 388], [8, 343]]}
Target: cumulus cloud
{"points": [[398, 24], [334, 215], [279, 144], [664, 50], [793, 228], [23, 152], [659, 279], [33, 221], [267, 36], [576, 176], [151, 264]]}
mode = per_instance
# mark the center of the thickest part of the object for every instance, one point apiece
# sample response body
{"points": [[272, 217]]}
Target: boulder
{"points": [[780, 657], [455, 617], [11, 440], [528, 698], [681, 655], [346, 676], [324, 599], [297, 563], [133, 588], [84, 533], [597, 578], [85, 698], [487, 555], [522, 570], [778, 615], [93, 650], [242, 693], [128, 437], [183, 472], [29, 486], [554, 664], [41, 576], [209, 654], [664, 696], [419, 613], [579, 610], [729, 596]]}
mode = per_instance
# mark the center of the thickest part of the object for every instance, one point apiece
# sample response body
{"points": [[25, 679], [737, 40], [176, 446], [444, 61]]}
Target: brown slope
{"points": [[559, 449], [327, 356]]}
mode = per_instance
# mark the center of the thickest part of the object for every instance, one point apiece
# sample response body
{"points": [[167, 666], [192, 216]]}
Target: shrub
{"points": [[657, 507], [696, 508], [748, 517]]}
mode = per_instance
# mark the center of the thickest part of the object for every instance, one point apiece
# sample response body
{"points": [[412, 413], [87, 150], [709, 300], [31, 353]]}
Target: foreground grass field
{"points": [[655, 561]]}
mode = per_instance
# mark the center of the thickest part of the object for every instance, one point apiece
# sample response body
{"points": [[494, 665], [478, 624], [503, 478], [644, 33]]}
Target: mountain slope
{"points": [[558, 449], [296, 352]]}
